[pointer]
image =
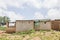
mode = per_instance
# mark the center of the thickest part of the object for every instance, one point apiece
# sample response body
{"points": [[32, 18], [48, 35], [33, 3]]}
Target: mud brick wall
{"points": [[24, 25]]}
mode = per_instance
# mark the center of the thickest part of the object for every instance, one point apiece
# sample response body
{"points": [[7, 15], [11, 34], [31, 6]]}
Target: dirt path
{"points": [[2, 31]]}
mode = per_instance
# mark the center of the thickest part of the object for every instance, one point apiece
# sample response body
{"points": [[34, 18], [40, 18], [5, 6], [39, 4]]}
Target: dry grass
{"points": [[38, 35], [31, 35]]}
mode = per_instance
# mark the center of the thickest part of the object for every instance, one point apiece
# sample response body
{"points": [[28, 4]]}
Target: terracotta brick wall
{"points": [[55, 25], [11, 29]]}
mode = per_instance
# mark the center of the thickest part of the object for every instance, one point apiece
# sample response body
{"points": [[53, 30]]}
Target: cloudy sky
{"points": [[30, 9]]}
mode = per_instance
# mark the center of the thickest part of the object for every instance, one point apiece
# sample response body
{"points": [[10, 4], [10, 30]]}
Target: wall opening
{"points": [[11, 24]]}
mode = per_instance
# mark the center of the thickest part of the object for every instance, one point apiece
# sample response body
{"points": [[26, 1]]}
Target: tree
{"points": [[4, 19], [1, 19]]}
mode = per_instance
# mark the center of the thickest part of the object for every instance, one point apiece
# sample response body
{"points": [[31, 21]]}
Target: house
{"points": [[20, 25], [24, 25], [55, 24], [43, 25]]}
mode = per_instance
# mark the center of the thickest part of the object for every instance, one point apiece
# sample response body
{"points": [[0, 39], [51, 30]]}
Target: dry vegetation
{"points": [[32, 35]]}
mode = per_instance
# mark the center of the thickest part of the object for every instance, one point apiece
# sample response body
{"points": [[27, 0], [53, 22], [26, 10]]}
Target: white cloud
{"points": [[2, 4], [59, 3], [14, 3], [46, 3], [53, 14], [6, 3], [50, 3], [12, 15], [35, 3], [1, 12], [19, 3], [38, 15]]}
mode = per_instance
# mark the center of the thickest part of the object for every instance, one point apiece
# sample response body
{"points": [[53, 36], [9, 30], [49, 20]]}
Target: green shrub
{"points": [[25, 32], [2, 28]]}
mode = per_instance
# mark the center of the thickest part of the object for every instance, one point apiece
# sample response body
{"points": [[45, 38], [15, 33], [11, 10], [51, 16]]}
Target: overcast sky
{"points": [[30, 9]]}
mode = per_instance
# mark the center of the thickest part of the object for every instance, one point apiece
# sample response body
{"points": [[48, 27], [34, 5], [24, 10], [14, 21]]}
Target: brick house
{"points": [[20, 25], [43, 25], [25, 25]]}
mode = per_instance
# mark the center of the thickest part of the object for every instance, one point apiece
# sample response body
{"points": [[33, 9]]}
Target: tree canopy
{"points": [[4, 19]]}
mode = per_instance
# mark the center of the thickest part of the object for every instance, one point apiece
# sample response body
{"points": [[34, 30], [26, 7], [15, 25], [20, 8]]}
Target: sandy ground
{"points": [[33, 36], [1, 32]]}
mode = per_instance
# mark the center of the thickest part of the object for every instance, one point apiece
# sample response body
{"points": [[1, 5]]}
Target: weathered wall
{"points": [[24, 25], [55, 25], [45, 26], [10, 28]]}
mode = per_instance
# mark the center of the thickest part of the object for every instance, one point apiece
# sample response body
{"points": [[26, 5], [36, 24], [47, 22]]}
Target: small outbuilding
{"points": [[24, 25], [43, 25], [19, 26]]}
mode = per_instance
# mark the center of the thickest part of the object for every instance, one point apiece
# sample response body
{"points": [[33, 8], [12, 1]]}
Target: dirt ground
{"points": [[1, 32], [39, 35], [4, 35]]}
